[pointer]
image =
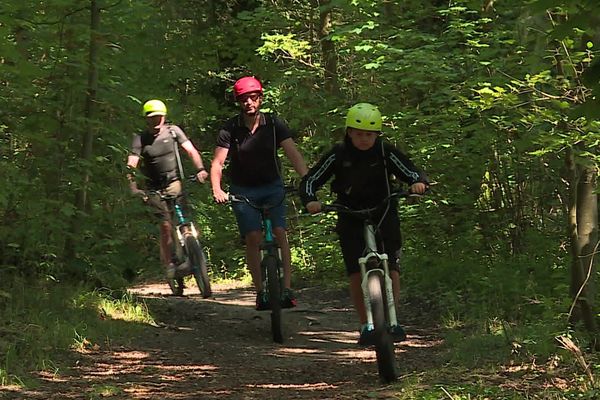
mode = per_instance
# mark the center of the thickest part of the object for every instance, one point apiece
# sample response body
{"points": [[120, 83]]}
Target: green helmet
{"points": [[154, 107], [364, 116]]}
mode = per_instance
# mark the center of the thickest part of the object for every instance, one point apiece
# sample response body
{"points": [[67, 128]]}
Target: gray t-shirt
{"points": [[157, 154]]}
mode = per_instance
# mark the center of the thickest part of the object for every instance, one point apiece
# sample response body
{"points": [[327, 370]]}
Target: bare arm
{"points": [[292, 153], [216, 173], [201, 175], [132, 163]]}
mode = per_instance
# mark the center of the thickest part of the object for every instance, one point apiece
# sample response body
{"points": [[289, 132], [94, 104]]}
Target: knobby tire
{"points": [[199, 265], [384, 344], [271, 265]]}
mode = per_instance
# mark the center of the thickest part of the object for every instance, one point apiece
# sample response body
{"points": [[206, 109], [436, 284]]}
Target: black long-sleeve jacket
{"points": [[360, 176]]}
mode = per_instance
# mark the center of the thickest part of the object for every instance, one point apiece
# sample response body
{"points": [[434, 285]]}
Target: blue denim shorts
{"points": [[249, 218]]}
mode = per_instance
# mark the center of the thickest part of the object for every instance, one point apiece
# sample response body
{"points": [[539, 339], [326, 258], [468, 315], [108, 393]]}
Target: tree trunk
{"points": [[90, 104], [81, 196], [328, 47], [583, 234]]}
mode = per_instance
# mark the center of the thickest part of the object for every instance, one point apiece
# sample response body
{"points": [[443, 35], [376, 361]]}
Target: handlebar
{"points": [[341, 208], [163, 196], [239, 198]]}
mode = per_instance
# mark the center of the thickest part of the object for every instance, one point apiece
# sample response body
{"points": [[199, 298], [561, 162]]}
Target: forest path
{"points": [[221, 348]]}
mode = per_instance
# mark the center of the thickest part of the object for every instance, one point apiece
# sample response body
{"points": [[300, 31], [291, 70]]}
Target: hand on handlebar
{"points": [[220, 196], [141, 193], [313, 207], [418, 188], [201, 176]]}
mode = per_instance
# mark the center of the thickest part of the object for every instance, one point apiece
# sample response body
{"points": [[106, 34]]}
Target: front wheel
{"points": [[384, 344], [199, 265], [271, 265], [176, 286]]}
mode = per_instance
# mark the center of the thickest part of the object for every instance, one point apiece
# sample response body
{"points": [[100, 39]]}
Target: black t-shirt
{"points": [[253, 157], [157, 154]]}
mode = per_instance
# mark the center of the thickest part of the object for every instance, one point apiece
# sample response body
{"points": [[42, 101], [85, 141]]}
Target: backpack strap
{"points": [[180, 172], [271, 117]]}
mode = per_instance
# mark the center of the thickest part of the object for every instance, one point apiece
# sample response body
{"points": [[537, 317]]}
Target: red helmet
{"points": [[247, 84]]}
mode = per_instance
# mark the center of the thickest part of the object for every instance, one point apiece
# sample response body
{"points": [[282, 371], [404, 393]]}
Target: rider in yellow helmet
{"points": [[155, 149], [362, 168]]}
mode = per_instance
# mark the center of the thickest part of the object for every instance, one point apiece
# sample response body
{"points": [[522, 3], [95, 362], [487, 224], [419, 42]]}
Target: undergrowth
{"points": [[43, 321]]}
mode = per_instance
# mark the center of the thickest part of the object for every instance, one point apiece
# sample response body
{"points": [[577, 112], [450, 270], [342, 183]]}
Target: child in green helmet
{"points": [[362, 167]]}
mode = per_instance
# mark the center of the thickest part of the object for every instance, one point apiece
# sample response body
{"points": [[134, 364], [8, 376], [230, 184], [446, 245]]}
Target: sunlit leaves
{"points": [[286, 45]]}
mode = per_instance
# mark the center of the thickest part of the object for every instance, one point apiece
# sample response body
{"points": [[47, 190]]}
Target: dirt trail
{"points": [[221, 348]]}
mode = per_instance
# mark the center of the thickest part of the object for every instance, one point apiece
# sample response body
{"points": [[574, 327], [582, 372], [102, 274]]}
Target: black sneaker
{"points": [[367, 337], [288, 299], [262, 301], [397, 333]]}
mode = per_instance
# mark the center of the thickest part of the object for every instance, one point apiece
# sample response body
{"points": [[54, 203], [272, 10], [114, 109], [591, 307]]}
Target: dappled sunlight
{"points": [[305, 386], [361, 354], [297, 350], [187, 368], [422, 342], [131, 355], [324, 336], [123, 366]]}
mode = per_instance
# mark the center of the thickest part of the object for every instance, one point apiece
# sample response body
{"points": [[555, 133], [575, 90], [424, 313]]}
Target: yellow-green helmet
{"points": [[364, 116], [154, 107]]}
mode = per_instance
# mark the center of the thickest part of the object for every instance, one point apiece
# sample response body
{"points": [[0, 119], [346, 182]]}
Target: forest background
{"points": [[496, 100]]}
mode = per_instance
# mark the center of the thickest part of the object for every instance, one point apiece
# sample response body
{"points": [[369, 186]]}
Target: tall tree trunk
{"points": [[90, 103], [583, 233], [328, 47], [81, 196]]}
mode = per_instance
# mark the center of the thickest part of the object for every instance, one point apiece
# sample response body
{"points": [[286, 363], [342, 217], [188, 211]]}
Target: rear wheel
{"points": [[271, 265], [199, 265], [384, 344]]}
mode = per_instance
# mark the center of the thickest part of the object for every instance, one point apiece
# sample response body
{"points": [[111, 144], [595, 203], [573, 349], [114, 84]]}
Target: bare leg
{"points": [[253, 240], [356, 294], [396, 287], [286, 255], [166, 243]]}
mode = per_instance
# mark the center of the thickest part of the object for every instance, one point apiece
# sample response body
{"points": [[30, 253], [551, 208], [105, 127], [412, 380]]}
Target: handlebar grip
{"points": [[235, 198]]}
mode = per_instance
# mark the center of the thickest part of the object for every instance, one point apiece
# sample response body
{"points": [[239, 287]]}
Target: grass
{"points": [[491, 359], [42, 322]]}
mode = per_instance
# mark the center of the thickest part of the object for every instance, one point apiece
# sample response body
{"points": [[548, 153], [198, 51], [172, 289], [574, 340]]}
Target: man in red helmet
{"points": [[250, 140]]}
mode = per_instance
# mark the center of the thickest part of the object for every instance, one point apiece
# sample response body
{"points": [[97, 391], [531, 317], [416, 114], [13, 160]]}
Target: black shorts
{"points": [[350, 233]]}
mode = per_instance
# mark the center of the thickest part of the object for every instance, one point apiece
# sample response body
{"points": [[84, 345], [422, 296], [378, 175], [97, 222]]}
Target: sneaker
{"points": [[367, 336], [397, 333], [288, 299], [262, 301], [171, 269]]}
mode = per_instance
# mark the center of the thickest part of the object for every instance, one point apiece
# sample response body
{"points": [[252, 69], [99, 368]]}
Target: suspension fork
{"points": [[184, 227], [369, 234]]}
